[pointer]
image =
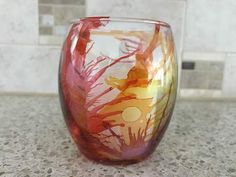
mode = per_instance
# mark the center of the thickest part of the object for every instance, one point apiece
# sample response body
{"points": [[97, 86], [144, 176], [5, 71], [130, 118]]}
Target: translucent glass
{"points": [[117, 84]]}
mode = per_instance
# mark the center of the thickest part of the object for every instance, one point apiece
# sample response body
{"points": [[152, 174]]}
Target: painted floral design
{"points": [[114, 118]]}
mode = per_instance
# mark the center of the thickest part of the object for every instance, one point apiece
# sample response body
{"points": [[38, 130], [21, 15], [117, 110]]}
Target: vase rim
{"points": [[124, 19]]}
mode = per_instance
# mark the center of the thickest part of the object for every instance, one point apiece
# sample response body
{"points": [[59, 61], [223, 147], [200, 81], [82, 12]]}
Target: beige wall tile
{"points": [[63, 15], [46, 20], [201, 66], [216, 76], [60, 30], [45, 30], [216, 67], [45, 9], [215, 84], [194, 80]]}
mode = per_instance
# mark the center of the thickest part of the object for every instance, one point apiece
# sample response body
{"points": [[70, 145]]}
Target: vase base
{"points": [[122, 162]]}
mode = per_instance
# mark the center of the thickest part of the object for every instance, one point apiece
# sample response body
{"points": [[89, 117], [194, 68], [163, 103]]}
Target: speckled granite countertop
{"points": [[200, 142]]}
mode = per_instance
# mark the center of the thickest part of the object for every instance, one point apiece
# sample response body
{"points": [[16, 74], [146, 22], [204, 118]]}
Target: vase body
{"points": [[117, 85]]}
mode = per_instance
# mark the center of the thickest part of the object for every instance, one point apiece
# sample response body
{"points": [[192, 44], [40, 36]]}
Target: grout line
{"points": [[230, 53], [62, 5], [233, 99], [86, 9], [28, 45], [55, 40], [181, 46], [204, 56], [210, 52], [37, 20], [28, 94], [184, 26], [206, 52], [18, 44], [176, 1], [46, 44]]}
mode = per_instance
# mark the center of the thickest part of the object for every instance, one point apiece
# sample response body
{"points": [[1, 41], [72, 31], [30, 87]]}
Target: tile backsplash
{"points": [[202, 75], [55, 17], [32, 32]]}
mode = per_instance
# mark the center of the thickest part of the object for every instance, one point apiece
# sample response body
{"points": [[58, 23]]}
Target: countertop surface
{"points": [[34, 141]]}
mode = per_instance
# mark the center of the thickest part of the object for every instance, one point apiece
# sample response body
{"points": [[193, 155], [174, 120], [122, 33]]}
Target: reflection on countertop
{"points": [[34, 141]]}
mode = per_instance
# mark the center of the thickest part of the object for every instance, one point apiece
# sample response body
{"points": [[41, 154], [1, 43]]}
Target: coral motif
{"points": [[131, 123]]}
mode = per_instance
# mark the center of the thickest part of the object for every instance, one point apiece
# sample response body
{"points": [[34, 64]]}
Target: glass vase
{"points": [[117, 85]]}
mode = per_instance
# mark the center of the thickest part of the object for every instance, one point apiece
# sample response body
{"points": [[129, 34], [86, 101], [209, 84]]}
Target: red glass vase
{"points": [[117, 85]]}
